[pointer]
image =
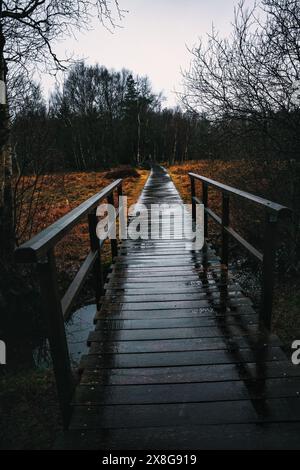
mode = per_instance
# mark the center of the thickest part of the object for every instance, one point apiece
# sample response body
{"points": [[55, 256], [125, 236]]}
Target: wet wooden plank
{"points": [[177, 393], [181, 414], [176, 333], [102, 346], [145, 262], [165, 287], [161, 275], [159, 269], [157, 394], [175, 296], [143, 324], [277, 436], [179, 358], [178, 304], [204, 312], [190, 374]]}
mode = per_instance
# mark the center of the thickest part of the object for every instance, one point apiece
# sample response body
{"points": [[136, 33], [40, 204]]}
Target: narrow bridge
{"points": [[179, 359]]}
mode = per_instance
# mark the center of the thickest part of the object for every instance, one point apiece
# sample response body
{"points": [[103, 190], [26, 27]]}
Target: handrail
{"points": [[40, 250], [35, 248], [270, 205], [273, 211]]}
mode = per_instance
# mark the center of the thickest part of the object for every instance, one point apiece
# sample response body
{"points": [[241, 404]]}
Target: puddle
{"points": [[78, 329]]}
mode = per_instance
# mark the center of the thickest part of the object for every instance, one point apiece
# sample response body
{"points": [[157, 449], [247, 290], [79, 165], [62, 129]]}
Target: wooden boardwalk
{"points": [[177, 360]]}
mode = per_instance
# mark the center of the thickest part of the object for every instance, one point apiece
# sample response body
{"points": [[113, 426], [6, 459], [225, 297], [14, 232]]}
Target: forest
{"points": [[100, 118]]}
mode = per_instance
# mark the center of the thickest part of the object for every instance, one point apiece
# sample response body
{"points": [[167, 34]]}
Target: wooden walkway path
{"points": [[177, 360]]}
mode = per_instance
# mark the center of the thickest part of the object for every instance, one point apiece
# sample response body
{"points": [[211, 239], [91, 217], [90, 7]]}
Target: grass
{"points": [[44, 200], [41, 201]]}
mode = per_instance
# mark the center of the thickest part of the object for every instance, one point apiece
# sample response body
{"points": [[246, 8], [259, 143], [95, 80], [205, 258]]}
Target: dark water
{"points": [[77, 331]]}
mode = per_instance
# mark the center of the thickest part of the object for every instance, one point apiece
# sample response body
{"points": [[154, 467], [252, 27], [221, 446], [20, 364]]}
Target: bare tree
{"points": [[29, 30], [250, 82], [255, 73]]}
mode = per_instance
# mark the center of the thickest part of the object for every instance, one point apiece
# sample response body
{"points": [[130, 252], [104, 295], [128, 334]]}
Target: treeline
{"points": [[240, 101], [99, 118]]}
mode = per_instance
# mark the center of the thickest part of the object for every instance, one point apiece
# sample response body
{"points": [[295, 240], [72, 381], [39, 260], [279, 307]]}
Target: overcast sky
{"points": [[152, 40]]}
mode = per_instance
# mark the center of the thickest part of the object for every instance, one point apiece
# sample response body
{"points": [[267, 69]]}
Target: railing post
{"points": [[113, 241], [193, 195], [122, 215], [120, 191], [51, 306], [205, 203], [95, 246], [268, 269], [225, 223]]}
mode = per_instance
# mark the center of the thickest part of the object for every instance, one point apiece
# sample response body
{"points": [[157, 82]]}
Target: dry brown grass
{"points": [[57, 194], [268, 179], [271, 180]]}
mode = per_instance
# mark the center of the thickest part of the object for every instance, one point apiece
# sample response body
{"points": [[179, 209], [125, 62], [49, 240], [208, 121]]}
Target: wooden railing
{"points": [[40, 250], [267, 257]]}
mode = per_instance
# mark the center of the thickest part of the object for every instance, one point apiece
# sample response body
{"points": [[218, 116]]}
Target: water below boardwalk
{"points": [[78, 329]]}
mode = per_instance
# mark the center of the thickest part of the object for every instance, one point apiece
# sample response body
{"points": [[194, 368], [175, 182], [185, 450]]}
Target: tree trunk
{"points": [[138, 157], [173, 157], [7, 241]]}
